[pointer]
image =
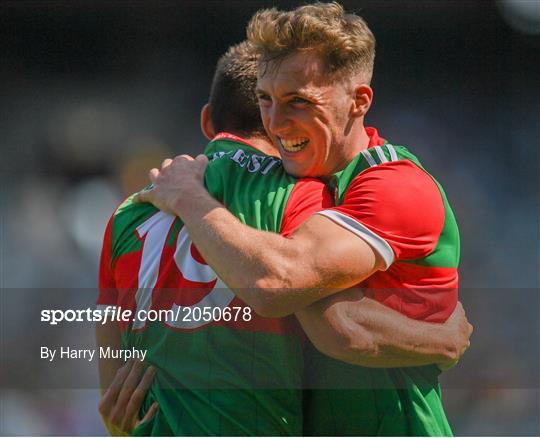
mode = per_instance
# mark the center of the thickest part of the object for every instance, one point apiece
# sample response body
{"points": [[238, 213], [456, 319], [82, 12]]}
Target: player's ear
{"points": [[207, 127], [362, 98]]}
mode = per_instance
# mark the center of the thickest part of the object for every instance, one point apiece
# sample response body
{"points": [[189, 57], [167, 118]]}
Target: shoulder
{"points": [[398, 202], [394, 172], [124, 223], [401, 180], [308, 196], [130, 213]]}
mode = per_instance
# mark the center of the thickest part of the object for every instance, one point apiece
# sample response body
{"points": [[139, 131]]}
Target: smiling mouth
{"points": [[294, 144]]}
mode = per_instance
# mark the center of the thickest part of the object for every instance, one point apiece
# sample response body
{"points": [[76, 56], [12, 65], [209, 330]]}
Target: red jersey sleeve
{"points": [[396, 208], [107, 285], [308, 196]]}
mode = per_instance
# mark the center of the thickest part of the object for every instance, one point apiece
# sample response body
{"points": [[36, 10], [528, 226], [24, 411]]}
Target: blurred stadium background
{"points": [[95, 93]]}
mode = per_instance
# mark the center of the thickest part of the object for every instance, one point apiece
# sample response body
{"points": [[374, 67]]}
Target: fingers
{"points": [[137, 397], [470, 329], [150, 414], [138, 198], [108, 400], [459, 311], [122, 401], [177, 176], [143, 195], [129, 385], [201, 158], [153, 175], [166, 163]]}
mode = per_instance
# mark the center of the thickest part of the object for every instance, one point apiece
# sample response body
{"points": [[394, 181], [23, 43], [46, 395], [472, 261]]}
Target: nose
{"points": [[278, 120]]}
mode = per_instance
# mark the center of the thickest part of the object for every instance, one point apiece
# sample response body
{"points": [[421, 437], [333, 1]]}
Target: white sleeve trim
{"points": [[379, 245]]}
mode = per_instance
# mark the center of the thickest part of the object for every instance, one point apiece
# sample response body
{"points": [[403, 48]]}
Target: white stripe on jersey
{"points": [[393, 154], [381, 155], [377, 243], [369, 158]]}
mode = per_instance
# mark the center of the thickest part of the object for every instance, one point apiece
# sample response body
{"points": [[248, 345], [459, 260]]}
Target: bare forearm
{"points": [[275, 275], [240, 255], [400, 341], [364, 332]]}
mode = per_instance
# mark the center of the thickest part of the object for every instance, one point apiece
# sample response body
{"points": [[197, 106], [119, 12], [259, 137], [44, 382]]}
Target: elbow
{"points": [[358, 351], [274, 289], [351, 347], [270, 311], [270, 298]]}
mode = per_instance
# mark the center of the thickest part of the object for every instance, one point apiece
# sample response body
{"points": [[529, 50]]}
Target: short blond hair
{"points": [[343, 40]]}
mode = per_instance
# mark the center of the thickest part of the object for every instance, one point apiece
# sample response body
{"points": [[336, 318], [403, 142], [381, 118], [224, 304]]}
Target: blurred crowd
{"points": [[94, 96]]}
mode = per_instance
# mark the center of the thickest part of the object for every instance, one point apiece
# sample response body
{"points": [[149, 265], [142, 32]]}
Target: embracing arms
{"points": [[278, 276], [275, 275], [358, 330]]}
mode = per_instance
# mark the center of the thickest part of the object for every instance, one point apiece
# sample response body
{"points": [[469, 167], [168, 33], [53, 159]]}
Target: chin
{"points": [[295, 170]]}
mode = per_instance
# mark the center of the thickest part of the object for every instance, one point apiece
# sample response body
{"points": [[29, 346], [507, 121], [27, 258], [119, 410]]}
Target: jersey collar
{"points": [[374, 138], [235, 138]]}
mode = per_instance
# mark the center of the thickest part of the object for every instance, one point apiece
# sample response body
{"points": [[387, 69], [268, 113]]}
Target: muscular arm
{"points": [[358, 330], [275, 275], [278, 276]]}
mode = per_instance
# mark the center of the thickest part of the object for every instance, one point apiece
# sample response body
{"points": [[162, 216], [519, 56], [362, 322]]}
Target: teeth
{"points": [[294, 144]]}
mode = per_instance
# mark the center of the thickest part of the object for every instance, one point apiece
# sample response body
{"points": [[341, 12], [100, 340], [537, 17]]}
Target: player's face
{"points": [[306, 115]]}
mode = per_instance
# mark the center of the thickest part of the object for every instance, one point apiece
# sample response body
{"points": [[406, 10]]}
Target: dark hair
{"points": [[233, 104]]}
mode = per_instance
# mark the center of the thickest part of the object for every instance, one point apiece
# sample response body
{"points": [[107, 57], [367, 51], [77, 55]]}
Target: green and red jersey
{"points": [[365, 401], [387, 198], [227, 377]]}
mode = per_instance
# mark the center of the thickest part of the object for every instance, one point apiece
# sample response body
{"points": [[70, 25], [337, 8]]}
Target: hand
{"points": [[178, 181], [460, 331], [120, 404]]}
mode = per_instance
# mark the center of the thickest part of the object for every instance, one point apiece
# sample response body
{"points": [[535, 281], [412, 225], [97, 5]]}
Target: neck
{"points": [[264, 145], [356, 143], [362, 141]]}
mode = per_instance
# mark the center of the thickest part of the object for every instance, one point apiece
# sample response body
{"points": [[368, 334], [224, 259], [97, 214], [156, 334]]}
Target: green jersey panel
{"points": [[356, 401], [231, 378]]}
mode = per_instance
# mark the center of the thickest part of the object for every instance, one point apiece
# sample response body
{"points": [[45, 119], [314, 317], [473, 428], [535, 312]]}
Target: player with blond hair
{"points": [[392, 231]]}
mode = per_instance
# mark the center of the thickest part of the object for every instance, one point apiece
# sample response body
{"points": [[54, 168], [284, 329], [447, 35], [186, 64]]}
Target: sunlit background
{"points": [[93, 94]]}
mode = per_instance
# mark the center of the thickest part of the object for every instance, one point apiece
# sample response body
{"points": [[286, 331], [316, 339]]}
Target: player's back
{"points": [[222, 369]]}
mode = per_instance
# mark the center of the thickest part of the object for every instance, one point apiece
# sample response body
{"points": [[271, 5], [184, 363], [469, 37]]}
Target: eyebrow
{"points": [[289, 93]]}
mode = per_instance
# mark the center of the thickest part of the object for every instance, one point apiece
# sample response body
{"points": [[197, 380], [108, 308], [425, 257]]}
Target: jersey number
{"points": [[154, 231]]}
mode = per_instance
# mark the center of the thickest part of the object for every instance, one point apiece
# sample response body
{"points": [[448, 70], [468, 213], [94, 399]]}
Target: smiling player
{"points": [[198, 363], [392, 231]]}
